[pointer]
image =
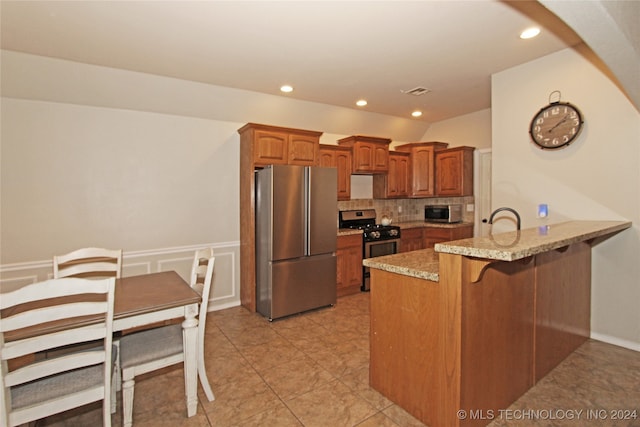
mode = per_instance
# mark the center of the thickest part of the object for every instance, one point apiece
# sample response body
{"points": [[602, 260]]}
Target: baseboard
{"points": [[616, 341]]}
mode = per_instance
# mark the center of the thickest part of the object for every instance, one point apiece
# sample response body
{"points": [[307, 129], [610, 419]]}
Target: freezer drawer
{"points": [[294, 286]]}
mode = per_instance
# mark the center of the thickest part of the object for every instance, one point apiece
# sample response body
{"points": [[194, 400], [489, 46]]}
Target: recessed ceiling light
{"points": [[530, 33], [361, 102], [416, 113], [286, 88]]}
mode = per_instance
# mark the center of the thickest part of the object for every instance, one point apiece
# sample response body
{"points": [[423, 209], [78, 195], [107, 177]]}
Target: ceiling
{"points": [[330, 52]]}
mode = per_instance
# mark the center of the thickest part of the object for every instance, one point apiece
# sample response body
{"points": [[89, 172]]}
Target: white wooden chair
{"points": [[45, 387], [153, 349], [88, 262], [92, 263]]}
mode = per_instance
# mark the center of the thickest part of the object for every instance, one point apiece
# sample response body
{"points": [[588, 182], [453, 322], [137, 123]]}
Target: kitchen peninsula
{"points": [[470, 326]]}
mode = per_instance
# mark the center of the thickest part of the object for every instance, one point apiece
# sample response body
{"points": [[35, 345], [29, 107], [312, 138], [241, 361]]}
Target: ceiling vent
{"points": [[416, 91]]}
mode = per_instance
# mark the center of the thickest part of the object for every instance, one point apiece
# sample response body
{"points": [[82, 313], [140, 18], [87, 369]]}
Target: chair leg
{"points": [[116, 369], [202, 372], [127, 402], [113, 391]]}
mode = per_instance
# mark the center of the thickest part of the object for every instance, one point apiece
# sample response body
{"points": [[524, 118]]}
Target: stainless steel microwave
{"points": [[443, 213]]}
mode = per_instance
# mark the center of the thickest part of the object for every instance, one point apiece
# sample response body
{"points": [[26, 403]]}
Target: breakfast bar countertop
{"points": [[422, 264], [514, 245], [509, 246]]}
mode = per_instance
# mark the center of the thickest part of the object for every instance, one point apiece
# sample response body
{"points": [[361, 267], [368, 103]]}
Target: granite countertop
{"points": [[348, 231], [516, 245], [422, 224], [510, 246], [423, 264]]}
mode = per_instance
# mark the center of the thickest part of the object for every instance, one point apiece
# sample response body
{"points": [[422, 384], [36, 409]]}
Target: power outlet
{"points": [[543, 210]]}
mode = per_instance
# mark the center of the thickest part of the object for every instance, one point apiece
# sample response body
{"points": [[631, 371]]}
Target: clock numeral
{"points": [[576, 122], [540, 121], [555, 111], [565, 138], [555, 141], [537, 129]]}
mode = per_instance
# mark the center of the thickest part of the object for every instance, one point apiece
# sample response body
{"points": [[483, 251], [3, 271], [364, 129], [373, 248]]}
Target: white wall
{"points": [[473, 130], [94, 156], [73, 175], [596, 177]]}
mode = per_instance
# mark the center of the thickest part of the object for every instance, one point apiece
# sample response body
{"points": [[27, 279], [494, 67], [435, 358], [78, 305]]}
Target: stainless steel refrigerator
{"points": [[296, 234]]}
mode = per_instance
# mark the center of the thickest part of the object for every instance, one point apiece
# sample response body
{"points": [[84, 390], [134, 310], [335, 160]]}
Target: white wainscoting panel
{"points": [[226, 285]]}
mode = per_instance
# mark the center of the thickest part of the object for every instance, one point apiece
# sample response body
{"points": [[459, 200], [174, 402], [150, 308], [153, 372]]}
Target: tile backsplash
{"points": [[412, 209]]}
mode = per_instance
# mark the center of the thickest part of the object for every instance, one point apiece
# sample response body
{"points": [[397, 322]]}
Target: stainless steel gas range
{"points": [[377, 239]]}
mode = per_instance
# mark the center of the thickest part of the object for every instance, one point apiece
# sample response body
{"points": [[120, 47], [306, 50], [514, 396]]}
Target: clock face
{"points": [[556, 125]]}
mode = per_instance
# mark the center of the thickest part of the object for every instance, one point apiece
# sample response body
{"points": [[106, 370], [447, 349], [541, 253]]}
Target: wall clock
{"points": [[556, 125]]}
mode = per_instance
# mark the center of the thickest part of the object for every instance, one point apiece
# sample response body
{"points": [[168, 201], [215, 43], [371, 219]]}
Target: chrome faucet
{"points": [[513, 211]]}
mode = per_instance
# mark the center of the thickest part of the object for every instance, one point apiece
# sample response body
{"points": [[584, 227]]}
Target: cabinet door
{"points": [[302, 150], [449, 174], [343, 163], [363, 157], [462, 232], [422, 172], [326, 157], [391, 180], [349, 264], [395, 183], [402, 175], [340, 158], [380, 158], [270, 147], [454, 172], [411, 240]]}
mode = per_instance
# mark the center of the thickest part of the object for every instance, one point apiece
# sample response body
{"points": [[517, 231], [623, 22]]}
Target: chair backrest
{"points": [[202, 277], [88, 262], [26, 316]]}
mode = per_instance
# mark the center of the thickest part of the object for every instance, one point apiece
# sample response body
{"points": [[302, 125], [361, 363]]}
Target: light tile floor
{"points": [[313, 370]]}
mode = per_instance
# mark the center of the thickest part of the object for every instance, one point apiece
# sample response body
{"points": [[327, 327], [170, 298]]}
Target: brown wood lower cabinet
{"points": [[349, 264], [433, 235], [411, 239]]}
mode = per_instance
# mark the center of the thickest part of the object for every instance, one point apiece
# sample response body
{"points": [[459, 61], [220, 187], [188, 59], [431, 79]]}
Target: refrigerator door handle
{"points": [[307, 211]]}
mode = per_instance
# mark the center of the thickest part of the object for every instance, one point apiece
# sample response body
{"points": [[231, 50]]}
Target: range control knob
{"points": [[393, 232], [375, 234]]}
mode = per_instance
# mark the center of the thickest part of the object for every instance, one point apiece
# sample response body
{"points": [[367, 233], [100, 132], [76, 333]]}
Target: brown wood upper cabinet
{"points": [[370, 154], [422, 166], [396, 182], [454, 171], [334, 156], [277, 145]]}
